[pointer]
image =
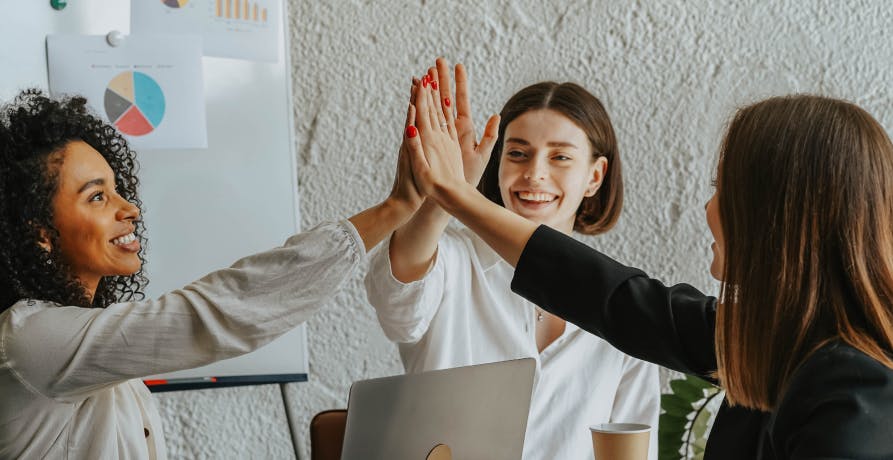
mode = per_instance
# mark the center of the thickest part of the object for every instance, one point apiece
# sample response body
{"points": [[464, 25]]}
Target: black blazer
{"points": [[839, 404]]}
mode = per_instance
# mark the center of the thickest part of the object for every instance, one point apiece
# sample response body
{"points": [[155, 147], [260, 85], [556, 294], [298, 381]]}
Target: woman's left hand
{"points": [[436, 155], [405, 196]]}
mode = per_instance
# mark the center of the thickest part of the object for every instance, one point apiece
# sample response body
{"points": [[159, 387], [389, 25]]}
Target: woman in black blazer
{"points": [[802, 336]]}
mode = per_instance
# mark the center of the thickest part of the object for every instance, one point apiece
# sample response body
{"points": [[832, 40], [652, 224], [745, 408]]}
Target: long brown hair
{"points": [[597, 213], [805, 189]]}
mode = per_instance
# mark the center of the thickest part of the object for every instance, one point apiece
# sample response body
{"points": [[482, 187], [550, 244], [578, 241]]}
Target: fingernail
{"points": [[411, 131], [434, 84], [446, 101], [425, 80]]}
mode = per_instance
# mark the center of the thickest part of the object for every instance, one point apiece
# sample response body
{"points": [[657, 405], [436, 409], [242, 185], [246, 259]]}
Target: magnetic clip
{"points": [[115, 38]]}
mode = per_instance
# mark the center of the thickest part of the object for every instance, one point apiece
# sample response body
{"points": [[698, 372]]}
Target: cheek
{"points": [[574, 183], [505, 177]]}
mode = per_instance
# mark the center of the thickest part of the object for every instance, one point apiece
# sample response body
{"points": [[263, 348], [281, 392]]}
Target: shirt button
{"points": [[146, 430]]}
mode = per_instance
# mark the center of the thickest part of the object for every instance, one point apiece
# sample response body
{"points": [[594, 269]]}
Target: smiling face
{"points": [[95, 224], [546, 168]]}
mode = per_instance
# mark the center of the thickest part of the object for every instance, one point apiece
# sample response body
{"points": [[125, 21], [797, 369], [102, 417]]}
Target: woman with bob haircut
{"points": [[75, 332], [444, 296], [801, 337]]}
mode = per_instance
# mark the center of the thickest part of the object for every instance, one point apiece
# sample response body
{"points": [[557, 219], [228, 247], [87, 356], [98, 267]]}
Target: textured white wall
{"points": [[670, 74]]}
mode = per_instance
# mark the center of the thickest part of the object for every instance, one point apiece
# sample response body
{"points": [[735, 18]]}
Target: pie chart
{"points": [[175, 3], [134, 103]]}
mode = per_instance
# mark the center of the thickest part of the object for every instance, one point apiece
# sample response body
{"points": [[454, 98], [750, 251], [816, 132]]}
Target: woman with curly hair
{"points": [[75, 331]]}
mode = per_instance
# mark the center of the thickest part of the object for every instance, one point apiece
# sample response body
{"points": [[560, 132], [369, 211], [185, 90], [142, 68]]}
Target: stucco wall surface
{"points": [[669, 72]]}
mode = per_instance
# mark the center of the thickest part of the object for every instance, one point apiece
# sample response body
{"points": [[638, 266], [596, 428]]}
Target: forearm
{"points": [[669, 325], [506, 232], [225, 313], [378, 222], [414, 245]]}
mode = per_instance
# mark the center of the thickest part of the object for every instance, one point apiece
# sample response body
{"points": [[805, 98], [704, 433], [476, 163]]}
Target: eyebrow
{"points": [[516, 140], [99, 181]]}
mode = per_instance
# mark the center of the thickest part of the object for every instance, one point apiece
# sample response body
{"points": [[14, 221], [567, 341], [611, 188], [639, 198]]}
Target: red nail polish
{"points": [[446, 101], [434, 84], [411, 131]]}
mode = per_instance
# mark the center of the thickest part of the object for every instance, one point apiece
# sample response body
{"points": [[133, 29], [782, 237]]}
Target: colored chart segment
{"points": [[175, 3], [134, 103], [240, 9]]}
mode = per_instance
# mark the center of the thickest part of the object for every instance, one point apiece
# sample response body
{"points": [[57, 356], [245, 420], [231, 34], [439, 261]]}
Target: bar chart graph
{"points": [[240, 29], [244, 10]]}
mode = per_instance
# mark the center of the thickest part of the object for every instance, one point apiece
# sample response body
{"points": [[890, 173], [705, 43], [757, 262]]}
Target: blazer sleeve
{"points": [[668, 325]]}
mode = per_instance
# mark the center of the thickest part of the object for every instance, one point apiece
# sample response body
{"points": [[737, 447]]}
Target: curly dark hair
{"points": [[33, 129]]}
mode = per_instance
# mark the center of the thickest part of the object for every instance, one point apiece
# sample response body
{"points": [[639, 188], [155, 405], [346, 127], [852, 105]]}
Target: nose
{"points": [[127, 210], [536, 171]]}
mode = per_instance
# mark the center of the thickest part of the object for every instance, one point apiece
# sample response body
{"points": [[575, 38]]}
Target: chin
{"points": [[130, 270]]}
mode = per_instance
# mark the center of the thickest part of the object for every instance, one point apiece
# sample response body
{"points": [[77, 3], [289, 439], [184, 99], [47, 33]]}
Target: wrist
{"points": [[396, 210], [452, 196]]}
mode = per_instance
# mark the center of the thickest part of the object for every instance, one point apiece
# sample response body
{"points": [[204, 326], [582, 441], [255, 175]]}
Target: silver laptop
{"points": [[478, 412]]}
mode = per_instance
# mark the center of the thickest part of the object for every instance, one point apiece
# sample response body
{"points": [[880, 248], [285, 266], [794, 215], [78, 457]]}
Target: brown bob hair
{"points": [[598, 213], [805, 190]]}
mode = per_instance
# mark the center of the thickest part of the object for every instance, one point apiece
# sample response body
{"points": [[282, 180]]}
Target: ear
{"points": [[44, 241], [599, 169]]}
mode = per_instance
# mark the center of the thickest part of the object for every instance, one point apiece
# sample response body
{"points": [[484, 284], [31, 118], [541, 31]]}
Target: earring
{"points": [[46, 253]]}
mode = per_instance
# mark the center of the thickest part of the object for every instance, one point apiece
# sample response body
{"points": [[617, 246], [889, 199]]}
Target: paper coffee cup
{"points": [[620, 441]]}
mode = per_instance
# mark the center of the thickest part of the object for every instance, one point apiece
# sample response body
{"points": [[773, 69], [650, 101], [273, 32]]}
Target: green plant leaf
{"points": [[699, 424], [671, 429], [675, 405], [668, 453], [673, 421], [699, 445], [687, 389], [685, 419]]}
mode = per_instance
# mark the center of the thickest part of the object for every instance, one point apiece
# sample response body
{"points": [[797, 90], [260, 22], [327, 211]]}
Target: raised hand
{"points": [[380, 221], [438, 172], [475, 154], [436, 156], [404, 192]]}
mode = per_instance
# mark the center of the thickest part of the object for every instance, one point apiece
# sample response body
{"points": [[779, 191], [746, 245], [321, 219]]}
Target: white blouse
{"points": [[463, 312], [69, 376]]}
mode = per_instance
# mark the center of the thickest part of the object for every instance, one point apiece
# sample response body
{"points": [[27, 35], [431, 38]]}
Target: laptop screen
{"points": [[475, 411]]}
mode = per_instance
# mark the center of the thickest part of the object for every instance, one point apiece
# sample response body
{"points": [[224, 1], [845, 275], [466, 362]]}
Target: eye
{"points": [[515, 154], [98, 196], [561, 157]]}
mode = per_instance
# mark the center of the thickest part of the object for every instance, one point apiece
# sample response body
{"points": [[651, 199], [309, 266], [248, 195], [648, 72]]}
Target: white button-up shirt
{"points": [[463, 312], [69, 375]]}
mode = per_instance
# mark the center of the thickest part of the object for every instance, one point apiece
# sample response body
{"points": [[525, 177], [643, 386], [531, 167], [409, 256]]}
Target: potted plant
{"points": [[687, 416]]}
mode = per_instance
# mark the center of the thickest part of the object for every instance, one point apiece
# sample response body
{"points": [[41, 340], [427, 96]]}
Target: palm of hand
{"points": [[474, 162]]}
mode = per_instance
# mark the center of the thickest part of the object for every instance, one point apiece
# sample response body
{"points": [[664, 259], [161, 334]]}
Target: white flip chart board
{"points": [[204, 208]]}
